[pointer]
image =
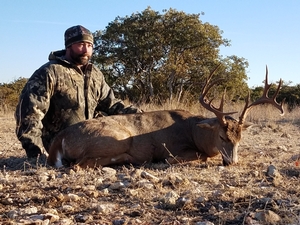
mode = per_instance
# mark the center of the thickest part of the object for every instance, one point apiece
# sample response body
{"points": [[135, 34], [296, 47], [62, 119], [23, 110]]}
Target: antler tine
{"points": [[208, 104], [263, 99]]}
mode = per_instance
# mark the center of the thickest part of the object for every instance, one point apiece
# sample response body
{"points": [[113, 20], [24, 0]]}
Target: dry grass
{"points": [[32, 193]]}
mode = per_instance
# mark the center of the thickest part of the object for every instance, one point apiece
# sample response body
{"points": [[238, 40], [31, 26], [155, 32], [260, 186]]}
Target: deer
{"points": [[172, 136]]}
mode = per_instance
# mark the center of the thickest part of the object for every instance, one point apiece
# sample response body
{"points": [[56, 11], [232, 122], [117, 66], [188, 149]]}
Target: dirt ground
{"points": [[263, 188]]}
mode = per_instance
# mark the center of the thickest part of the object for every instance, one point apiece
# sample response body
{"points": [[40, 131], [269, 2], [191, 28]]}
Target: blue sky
{"points": [[265, 32]]}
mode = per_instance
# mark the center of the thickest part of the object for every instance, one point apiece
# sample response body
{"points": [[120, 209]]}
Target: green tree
{"points": [[10, 92], [148, 55]]}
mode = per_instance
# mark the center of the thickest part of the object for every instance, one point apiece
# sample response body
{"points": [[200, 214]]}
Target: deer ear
{"points": [[246, 125]]}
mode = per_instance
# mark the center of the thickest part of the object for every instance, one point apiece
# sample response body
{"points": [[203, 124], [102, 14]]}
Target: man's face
{"points": [[81, 52]]}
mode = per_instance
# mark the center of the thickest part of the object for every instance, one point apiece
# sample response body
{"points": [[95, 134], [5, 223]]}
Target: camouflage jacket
{"points": [[57, 95]]}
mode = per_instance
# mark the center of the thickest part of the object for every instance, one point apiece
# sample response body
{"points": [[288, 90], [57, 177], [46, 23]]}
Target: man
{"points": [[62, 92]]}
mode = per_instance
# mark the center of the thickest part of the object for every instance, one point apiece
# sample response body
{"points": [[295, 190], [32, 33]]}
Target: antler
{"points": [[262, 100], [208, 104]]}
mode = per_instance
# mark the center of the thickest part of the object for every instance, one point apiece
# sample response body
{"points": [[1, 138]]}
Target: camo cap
{"points": [[77, 34]]}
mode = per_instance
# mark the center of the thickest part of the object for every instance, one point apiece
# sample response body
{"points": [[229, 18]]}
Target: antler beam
{"points": [[262, 100], [208, 104]]}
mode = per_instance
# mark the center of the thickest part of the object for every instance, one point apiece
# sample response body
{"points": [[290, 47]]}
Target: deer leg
{"points": [[105, 161]]}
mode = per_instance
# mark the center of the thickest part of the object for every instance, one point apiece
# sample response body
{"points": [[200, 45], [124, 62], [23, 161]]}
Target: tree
{"points": [[9, 93], [148, 55]]}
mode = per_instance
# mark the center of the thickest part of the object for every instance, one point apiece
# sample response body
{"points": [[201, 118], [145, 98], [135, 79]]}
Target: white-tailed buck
{"points": [[171, 135]]}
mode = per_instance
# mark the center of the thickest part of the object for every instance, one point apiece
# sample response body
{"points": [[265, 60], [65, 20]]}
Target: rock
{"points": [[12, 214], [283, 148], [149, 176], [212, 210], [136, 174], [83, 218], [170, 199], [59, 197], [7, 201], [286, 135], [183, 201], [117, 185], [204, 223], [29, 210], [90, 187], [65, 221], [295, 157], [73, 197], [34, 222], [118, 222], [67, 208], [201, 200], [267, 216], [105, 191], [145, 184], [272, 171], [43, 178], [106, 208], [133, 192], [51, 217], [175, 178], [92, 194], [108, 173], [37, 217], [255, 173]]}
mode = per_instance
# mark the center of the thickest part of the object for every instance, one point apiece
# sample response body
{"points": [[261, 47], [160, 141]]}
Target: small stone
{"points": [[60, 197], [67, 208], [283, 148], [133, 192], [204, 223], [105, 191], [7, 201], [83, 218], [272, 171], [145, 184], [117, 185], [106, 208], [212, 210], [183, 201], [12, 214], [170, 199], [118, 222], [66, 221], [149, 176], [36, 217], [256, 173], [267, 216], [43, 178], [201, 200], [29, 210], [92, 194], [73, 197], [52, 217], [108, 173], [90, 187]]}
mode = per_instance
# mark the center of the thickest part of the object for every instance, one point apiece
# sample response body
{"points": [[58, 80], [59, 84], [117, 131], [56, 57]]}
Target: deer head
{"points": [[232, 127]]}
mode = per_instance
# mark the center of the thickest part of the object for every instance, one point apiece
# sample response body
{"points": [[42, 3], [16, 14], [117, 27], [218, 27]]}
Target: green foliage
{"points": [[291, 96], [149, 56], [9, 93]]}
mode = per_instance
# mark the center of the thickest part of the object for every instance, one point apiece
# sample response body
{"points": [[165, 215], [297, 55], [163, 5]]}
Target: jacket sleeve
{"points": [[108, 104], [33, 104]]}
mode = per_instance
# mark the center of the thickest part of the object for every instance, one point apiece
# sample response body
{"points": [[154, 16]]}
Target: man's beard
{"points": [[81, 59]]}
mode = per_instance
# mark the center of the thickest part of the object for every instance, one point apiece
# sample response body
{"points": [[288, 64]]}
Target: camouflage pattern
{"points": [[58, 95], [77, 33]]}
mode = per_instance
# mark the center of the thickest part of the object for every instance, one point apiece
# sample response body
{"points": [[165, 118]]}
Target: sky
{"points": [[264, 32]]}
